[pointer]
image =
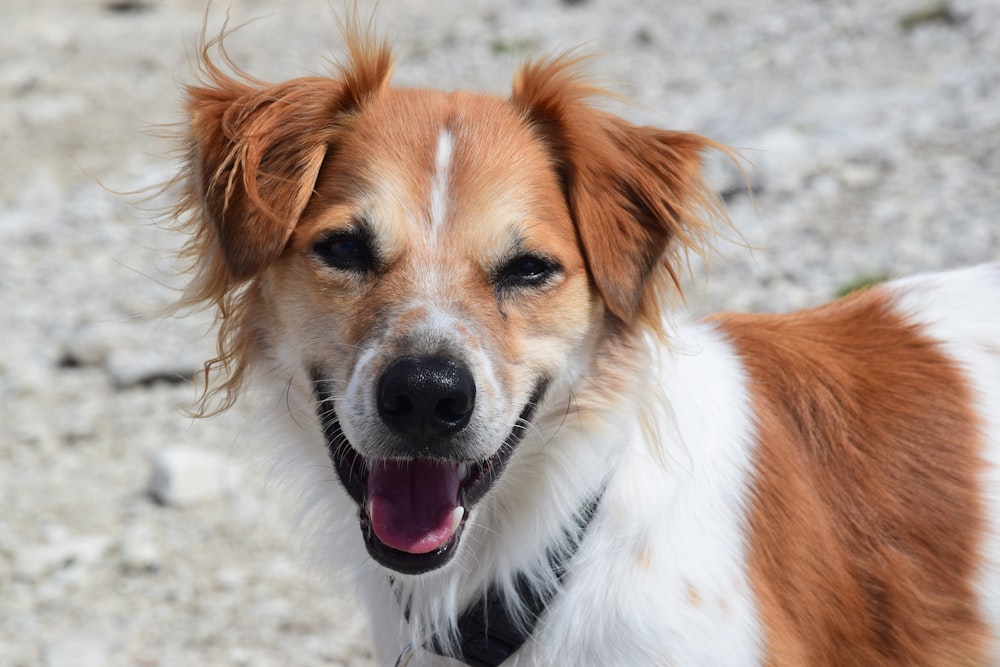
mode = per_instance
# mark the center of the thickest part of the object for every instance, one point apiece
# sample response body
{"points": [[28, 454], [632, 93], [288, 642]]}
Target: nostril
{"points": [[454, 409], [398, 405]]}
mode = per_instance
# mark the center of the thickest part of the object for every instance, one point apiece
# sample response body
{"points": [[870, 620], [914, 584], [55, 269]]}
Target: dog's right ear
{"points": [[255, 150]]}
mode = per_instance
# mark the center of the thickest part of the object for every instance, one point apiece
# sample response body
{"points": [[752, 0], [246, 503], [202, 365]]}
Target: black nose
{"points": [[425, 398]]}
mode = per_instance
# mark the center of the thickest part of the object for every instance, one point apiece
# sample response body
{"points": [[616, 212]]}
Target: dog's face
{"points": [[433, 287], [432, 263]]}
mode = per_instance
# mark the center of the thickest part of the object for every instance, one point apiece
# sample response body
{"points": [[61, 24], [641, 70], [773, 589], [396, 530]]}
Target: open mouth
{"points": [[413, 510]]}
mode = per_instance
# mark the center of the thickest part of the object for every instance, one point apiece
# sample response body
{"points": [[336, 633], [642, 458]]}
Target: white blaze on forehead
{"points": [[440, 179]]}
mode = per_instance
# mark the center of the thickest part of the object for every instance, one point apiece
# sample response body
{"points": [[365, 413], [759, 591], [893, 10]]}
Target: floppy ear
{"points": [[256, 150], [256, 155], [636, 194]]}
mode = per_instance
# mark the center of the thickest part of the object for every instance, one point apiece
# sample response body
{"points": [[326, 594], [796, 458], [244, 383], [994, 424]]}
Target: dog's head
{"points": [[430, 262]]}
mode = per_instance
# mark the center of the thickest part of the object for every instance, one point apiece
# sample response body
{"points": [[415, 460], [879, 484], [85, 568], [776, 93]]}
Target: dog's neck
{"points": [[491, 629]]}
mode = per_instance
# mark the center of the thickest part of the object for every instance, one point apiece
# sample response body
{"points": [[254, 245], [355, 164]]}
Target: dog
{"points": [[455, 311]]}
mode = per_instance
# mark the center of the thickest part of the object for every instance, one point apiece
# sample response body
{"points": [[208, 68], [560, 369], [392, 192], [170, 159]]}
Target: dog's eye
{"points": [[347, 251], [525, 271]]}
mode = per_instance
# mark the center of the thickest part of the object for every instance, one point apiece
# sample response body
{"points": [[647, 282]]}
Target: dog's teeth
{"points": [[457, 515], [368, 508], [463, 472]]}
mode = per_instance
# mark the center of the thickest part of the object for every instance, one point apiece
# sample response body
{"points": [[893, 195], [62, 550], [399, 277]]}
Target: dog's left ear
{"points": [[635, 193]]}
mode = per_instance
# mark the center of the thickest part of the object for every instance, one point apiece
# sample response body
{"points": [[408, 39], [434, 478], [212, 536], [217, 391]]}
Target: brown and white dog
{"points": [[453, 305]]}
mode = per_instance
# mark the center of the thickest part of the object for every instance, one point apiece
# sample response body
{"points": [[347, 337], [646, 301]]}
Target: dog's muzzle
{"points": [[413, 507]]}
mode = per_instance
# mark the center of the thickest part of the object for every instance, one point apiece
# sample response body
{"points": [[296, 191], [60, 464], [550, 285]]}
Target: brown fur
{"points": [[866, 518]]}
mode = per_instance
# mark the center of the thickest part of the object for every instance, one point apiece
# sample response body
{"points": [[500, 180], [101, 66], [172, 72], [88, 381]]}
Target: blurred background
{"points": [[133, 535]]}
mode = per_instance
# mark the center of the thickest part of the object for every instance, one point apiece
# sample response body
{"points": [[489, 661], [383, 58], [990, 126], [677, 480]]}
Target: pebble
{"points": [[78, 651], [33, 563], [184, 476], [859, 176], [135, 352], [139, 552]]}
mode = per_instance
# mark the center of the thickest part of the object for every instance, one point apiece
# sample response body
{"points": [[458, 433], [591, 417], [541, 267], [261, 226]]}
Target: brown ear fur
{"points": [[256, 156], [254, 151], [636, 193]]}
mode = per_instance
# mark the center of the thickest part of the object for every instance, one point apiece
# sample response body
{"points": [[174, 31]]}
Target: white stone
{"points": [[230, 578], [138, 351], [139, 553], [36, 562], [78, 651], [860, 176], [183, 476]]}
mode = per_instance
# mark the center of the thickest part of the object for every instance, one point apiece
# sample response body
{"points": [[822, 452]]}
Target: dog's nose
{"points": [[429, 397]]}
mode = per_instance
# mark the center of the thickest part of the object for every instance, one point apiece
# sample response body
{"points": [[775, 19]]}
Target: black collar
{"points": [[488, 633]]}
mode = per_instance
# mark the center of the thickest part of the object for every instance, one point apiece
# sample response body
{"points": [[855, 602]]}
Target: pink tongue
{"points": [[411, 503]]}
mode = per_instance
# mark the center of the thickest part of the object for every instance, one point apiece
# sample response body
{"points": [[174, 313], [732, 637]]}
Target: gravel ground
{"points": [[873, 133]]}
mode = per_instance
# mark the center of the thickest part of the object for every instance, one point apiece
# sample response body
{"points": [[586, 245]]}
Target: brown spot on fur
{"points": [[644, 559], [865, 525], [691, 595], [724, 606]]}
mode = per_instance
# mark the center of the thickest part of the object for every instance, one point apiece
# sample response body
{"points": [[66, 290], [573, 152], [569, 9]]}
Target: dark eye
{"points": [[348, 251], [526, 271]]}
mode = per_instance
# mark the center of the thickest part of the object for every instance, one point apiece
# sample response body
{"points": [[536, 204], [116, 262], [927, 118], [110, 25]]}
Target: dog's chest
{"points": [[661, 576]]}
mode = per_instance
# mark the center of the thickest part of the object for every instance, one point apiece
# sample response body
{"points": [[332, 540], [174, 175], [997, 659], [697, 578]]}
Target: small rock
{"points": [[184, 476], [34, 563], [230, 578], [79, 651], [137, 352], [29, 377], [146, 365], [860, 176], [730, 178], [139, 553], [934, 12], [91, 345]]}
